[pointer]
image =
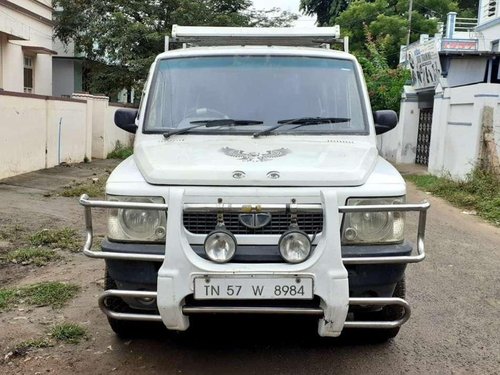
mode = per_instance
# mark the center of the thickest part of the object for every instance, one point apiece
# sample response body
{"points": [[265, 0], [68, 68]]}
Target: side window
{"points": [[28, 74]]}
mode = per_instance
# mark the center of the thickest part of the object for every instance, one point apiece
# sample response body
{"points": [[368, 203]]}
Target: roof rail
{"points": [[188, 36]]}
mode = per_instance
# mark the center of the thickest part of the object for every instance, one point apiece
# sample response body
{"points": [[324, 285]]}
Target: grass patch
{"points": [[13, 233], [64, 238], [479, 191], [6, 296], [120, 152], [27, 345], [94, 189], [68, 332], [39, 256], [54, 294]]}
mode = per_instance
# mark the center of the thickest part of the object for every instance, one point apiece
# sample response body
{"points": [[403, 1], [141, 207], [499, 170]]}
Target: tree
{"points": [[386, 20], [325, 10], [120, 38], [384, 83]]}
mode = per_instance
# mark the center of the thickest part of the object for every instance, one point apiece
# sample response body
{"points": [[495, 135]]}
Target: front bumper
{"points": [[326, 266]]}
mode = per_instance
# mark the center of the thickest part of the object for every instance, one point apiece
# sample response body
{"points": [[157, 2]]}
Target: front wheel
{"points": [[125, 328], [388, 313]]}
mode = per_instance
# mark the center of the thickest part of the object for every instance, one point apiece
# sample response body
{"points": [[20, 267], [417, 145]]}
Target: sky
{"points": [[290, 5]]}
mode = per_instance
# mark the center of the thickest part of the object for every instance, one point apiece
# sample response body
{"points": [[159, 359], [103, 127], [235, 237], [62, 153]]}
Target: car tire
{"points": [[126, 328], [392, 312]]}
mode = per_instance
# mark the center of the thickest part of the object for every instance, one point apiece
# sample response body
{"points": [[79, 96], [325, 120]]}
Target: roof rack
{"points": [[190, 36]]}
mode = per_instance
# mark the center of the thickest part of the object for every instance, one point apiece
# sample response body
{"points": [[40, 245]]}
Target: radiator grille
{"points": [[204, 223]]}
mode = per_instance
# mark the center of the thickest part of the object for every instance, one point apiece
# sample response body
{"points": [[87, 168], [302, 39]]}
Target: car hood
{"points": [[245, 161]]}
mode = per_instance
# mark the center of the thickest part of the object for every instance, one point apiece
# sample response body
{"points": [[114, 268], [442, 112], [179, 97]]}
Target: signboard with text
{"points": [[423, 59], [459, 45]]}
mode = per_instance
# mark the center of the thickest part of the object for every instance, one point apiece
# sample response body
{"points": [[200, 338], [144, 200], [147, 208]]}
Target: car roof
{"points": [[255, 50]]}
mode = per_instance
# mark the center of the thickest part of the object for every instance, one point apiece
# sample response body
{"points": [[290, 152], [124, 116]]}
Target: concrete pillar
{"points": [[399, 145], [42, 74], [450, 24], [438, 130], [13, 67], [98, 127], [88, 122]]}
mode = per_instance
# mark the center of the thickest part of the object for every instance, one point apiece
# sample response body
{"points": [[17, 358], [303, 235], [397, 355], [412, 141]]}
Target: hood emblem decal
{"points": [[255, 156]]}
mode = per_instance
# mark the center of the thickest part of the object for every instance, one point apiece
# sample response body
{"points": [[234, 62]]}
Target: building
{"points": [[26, 46], [450, 114], [67, 70]]}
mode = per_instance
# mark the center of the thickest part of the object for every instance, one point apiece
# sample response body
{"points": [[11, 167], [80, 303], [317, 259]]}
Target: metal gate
{"points": [[424, 136]]}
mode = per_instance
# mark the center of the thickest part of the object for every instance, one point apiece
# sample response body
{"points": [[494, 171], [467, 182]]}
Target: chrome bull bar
{"points": [[421, 208], [198, 310]]}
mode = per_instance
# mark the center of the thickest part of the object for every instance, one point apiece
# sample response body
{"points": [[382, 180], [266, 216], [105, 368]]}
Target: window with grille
{"points": [[28, 74]]}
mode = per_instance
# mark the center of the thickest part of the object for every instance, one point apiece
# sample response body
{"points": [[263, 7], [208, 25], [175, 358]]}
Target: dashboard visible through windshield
{"points": [[263, 90]]}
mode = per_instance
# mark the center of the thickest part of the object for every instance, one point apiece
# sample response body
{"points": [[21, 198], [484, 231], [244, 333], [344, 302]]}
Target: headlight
{"points": [[220, 246], [136, 225], [295, 246], [373, 227]]}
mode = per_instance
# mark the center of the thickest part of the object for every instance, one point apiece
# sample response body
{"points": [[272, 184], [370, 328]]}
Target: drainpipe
{"points": [[59, 143], [450, 24]]}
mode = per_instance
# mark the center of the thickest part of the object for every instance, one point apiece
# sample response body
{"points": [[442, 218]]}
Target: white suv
{"points": [[256, 188]]}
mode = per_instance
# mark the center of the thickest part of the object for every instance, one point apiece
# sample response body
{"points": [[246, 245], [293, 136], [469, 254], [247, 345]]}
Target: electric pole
{"points": [[410, 10]]}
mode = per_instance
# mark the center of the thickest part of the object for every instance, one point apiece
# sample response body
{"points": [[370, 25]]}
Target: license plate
{"points": [[254, 287]]}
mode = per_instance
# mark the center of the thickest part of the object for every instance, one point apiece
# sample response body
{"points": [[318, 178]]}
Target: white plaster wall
{"points": [[35, 34], [12, 66], [491, 34], [496, 128], [457, 127], [399, 144], [30, 133], [43, 75], [98, 127], [112, 133], [72, 117], [23, 140]]}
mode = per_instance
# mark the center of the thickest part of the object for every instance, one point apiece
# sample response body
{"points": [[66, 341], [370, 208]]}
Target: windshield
{"points": [[256, 88]]}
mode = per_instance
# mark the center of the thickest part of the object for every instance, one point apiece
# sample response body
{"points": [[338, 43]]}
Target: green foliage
{"points": [[120, 152], [6, 296], [24, 347], [325, 10], [54, 294], [386, 20], [384, 83], [479, 191], [38, 256], [120, 39], [68, 332], [64, 238]]}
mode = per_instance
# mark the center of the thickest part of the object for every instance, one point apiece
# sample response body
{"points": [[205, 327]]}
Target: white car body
{"points": [[189, 169]]}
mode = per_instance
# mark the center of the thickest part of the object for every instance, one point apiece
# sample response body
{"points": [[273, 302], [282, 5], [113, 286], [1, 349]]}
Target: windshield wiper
{"points": [[303, 121], [211, 124]]}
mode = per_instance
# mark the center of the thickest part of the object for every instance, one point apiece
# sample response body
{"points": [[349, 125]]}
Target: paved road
{"points": [[455, 327]]}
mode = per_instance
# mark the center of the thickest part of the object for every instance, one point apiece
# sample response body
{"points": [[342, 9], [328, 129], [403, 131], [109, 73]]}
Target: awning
{"points": [[39, 50]]}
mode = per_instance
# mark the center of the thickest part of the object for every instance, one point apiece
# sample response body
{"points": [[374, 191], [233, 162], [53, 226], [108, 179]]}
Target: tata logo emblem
{"points": [[255, 220]]}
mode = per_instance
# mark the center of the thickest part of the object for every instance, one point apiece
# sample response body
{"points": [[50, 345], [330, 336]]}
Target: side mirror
{"points": [[384, 121], [125, 119]]}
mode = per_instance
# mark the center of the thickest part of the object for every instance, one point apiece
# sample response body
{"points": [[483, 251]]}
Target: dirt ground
{"points": [[455, 297]]}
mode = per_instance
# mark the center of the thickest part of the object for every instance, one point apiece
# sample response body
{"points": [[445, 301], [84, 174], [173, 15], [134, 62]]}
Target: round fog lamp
{"points": [[295, 246], [220, 246]]}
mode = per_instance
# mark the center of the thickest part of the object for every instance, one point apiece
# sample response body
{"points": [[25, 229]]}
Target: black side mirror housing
{"points": [[384, 121], [125, 119]]}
